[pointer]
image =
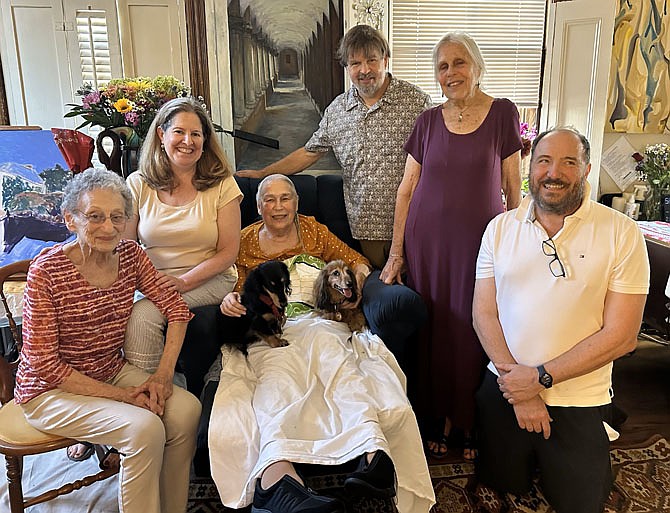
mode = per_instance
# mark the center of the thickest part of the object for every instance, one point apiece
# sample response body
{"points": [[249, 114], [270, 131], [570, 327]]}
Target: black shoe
{"points": [[288, 496], [374, 479]]}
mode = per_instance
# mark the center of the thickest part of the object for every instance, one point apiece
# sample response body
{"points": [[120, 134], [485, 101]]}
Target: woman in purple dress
{"points": [[461, 155]]}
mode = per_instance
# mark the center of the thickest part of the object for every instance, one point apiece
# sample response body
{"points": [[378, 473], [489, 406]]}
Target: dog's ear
{"points": [[253, 284], [321, 296], [354, 283]]}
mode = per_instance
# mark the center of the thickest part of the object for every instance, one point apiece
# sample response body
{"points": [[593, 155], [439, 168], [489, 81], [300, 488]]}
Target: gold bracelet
{"points": [[395, 255]]}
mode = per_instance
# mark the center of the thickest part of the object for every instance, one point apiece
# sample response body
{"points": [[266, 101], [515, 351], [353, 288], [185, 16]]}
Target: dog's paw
{"points": [[331, 316], [276, 341]]}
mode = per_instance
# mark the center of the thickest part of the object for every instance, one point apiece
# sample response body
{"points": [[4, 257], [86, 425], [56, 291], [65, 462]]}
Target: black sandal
{"points": [[88, 452], [470, 445], [438, 438], [440, 447], [103, 452]]}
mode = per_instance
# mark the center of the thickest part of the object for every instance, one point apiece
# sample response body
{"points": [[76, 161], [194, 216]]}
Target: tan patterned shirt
{"points": [[367, 142]]}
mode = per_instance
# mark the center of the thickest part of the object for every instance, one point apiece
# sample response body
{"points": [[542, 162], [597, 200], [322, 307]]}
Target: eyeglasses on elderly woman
{"points": [[98, 218]]}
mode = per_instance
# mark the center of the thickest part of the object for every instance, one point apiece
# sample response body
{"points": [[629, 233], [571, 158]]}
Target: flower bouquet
{"points": [[528, 134], [654, 167], [126, 102]]}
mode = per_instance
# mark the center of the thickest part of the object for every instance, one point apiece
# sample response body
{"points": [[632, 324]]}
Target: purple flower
{"points": [[90, 99], [528, 133], [132, 118]]}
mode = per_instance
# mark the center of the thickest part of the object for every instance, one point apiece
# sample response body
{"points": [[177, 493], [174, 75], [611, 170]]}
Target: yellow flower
{"points": [[123, 105]]}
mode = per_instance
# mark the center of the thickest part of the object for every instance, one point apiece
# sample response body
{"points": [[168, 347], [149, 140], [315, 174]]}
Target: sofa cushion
{"points": [[332, 210]]}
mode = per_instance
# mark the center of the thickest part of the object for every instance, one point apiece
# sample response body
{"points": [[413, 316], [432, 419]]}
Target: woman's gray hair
{"points": [[466, 41], [93, 179], [267, 181]]}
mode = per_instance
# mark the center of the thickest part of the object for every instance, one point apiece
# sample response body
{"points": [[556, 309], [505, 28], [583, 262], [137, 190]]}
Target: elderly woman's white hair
{"points": [[466, 41], [92, 179], [267, 181]]}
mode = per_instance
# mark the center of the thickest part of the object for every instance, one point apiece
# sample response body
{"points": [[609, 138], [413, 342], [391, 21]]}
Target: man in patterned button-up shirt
{"points": [[366, 128]]}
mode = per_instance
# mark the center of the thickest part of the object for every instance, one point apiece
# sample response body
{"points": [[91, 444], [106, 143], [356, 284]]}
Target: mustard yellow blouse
{"points": [[317, 241]]}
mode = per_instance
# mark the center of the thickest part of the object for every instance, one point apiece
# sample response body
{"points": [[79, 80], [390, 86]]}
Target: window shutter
{"points": [[94, 47], [508, 32]]}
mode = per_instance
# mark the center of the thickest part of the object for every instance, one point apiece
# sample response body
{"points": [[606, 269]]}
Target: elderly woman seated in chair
{"points": [[73, 380], [327, 398]]}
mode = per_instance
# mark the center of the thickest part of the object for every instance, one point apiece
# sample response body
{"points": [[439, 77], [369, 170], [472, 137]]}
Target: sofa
{"points": [[394, 313]]}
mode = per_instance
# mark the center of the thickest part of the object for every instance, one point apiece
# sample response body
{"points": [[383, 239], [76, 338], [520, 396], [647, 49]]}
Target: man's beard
{"points": [[566, 206], [368, 90]]}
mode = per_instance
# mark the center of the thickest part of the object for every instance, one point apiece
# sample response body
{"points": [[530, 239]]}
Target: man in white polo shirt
{"points": [[560, 289]]}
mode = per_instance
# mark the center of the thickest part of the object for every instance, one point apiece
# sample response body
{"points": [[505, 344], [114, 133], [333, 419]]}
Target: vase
{"points": [[652, 204], [124, 155]]}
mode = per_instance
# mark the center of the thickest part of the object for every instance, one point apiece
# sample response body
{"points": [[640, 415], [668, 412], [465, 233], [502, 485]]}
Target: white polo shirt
{"points": [[543, 316]]}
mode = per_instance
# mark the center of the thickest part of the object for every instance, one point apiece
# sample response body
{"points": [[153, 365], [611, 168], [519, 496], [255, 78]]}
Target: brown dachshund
{"points": [[336, 288]]}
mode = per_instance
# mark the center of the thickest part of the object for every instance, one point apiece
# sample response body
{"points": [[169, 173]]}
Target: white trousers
{"points": [[156, 452], [144, 342]]}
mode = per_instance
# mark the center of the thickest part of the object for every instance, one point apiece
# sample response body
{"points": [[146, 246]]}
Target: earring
{"points": [[162, 147]]}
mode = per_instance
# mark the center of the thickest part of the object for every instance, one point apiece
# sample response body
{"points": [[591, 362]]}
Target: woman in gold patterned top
{"points": [[283, 233]]}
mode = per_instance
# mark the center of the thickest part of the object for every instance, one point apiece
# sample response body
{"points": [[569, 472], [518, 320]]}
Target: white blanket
{"points": [[325, 399]]}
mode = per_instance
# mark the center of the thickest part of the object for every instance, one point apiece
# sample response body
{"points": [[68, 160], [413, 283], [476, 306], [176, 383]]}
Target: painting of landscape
{"points": [[32, 176]]}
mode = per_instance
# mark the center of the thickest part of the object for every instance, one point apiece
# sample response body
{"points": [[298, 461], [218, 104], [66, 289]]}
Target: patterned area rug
{"points": [[642, 485]]}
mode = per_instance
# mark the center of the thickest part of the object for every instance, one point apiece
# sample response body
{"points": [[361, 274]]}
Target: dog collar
{"points": [[275, 311]]}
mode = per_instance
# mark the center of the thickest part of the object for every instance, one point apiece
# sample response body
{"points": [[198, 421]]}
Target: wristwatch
{"points": [[546, 380]]}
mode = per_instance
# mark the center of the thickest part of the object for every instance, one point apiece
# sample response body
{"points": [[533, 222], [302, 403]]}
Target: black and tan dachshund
{"points": [[334, 290], [265, 296]]}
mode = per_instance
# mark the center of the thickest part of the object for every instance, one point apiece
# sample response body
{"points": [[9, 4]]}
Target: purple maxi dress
{"points": [[458, 193]]}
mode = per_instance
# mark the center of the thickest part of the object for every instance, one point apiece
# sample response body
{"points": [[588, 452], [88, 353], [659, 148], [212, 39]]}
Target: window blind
{"points": [[508, 32], [93, 42]]}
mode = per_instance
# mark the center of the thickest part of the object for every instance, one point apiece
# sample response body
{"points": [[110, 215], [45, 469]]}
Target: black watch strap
{"points": [[545, 379]]}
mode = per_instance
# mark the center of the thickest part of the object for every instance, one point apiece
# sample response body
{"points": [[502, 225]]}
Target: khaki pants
{"points": [[145, 331], [156, 452], [376, 251]]}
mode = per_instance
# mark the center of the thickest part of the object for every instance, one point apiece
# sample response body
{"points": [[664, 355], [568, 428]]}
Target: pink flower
{"points": [[132, 118], [90, 99], [527, 135]]}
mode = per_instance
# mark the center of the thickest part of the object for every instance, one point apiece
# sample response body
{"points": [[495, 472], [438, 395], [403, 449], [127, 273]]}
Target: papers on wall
{"points": [[618, 161]]}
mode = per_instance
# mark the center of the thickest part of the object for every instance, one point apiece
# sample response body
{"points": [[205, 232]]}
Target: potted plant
{"points": [[654, 167]]}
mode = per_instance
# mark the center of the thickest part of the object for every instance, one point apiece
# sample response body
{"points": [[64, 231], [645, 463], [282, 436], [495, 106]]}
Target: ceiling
{"points": [[288, 23]]}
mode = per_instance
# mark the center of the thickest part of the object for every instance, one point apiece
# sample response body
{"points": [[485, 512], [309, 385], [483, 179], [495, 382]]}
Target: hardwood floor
{"points": [[642, 390]]}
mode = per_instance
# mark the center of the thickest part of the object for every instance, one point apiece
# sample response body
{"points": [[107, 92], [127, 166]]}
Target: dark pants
{"points": [[201, 457], [202, 345], [395, 313], [574, 464]]}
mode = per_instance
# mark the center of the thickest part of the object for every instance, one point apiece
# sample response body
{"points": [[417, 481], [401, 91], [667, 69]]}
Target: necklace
{"points": [[460, 114]]}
